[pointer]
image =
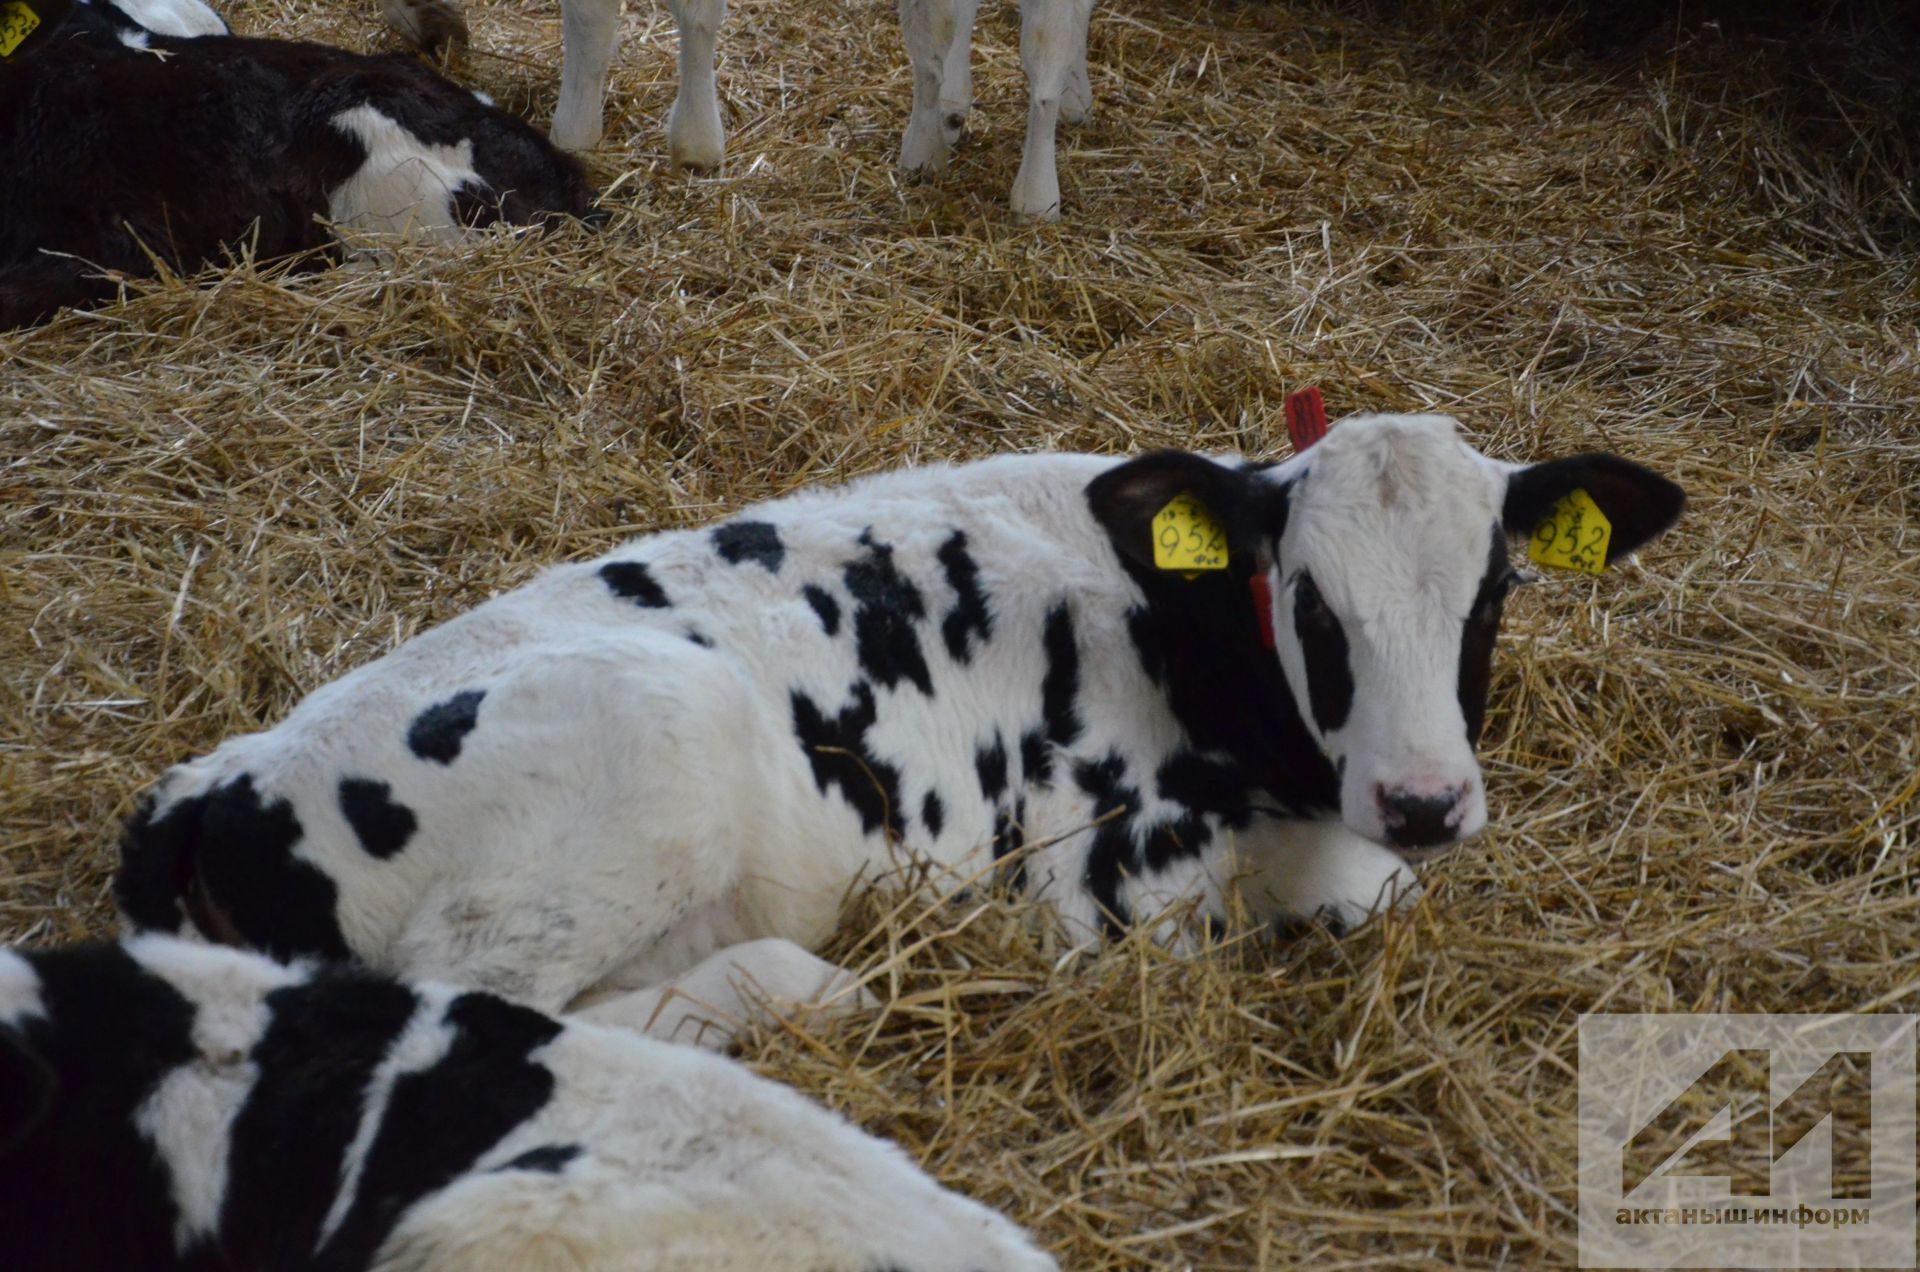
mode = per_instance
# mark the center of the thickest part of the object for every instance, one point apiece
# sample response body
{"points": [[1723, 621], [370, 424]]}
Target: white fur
{"points": [[405, 185], [632, 809], [190, 1113], [19, 990], [184, 19]]}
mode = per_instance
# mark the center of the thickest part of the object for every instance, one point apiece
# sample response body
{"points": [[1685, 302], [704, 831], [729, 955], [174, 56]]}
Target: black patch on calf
{"points": [[382, 825], [632, 581], [323, 1041], [1036, 759], [1060, 688], [825, 607], [887, 608], [990, 763], [1323, 642], [156, 869], [969, 617], [755, 541], [1206, 786], [700, 639], [548, 1159], [83, 1188], [1112, 856], [837, 749], [437, 733], [439, 1122], [238, 851], [1146, 643], [933, 814], [1477, 636]]}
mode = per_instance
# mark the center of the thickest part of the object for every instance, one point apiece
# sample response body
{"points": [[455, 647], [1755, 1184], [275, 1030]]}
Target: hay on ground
{"points": [[1703, 767]]}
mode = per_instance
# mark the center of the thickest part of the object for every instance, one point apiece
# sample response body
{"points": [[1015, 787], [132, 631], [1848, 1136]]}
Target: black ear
{"points": [[27, 1084], [1640, 503], [1126, 499]]}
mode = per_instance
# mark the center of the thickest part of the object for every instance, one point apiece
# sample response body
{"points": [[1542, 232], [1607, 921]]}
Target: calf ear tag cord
{"points": [[1306, 424]]}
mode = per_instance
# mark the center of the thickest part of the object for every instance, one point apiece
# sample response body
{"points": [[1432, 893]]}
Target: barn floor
{"points": [[1703, 767]]}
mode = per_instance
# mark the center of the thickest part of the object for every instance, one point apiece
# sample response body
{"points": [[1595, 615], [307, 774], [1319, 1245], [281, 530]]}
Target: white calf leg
{"points": [[956, 82], [1053, 34], [1076, 96], [592, 30], [695, 136], [707, 1005], [929, 27], [1307, 870]]}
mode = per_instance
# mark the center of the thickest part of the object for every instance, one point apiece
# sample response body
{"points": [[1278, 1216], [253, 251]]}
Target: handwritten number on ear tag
{"points": [[1187, 538], [1573, 537], [17, 22]]}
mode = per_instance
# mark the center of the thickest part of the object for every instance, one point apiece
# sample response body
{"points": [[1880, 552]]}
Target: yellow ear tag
{"points": [[17, 22], [1573, 537], [1187, 538]]}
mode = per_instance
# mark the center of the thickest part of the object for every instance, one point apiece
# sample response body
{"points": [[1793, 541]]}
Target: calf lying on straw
{"points": [[171, 1105], [939, 36], [136, 134], [1166, 677]]}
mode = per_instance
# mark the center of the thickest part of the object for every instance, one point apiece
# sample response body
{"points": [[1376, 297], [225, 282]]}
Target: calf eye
{"points": [[1308, 605]]}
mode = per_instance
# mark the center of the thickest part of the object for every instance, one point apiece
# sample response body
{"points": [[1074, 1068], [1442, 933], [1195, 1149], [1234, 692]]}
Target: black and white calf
{"points": [[680, 756], [165, 1104], [939, 37], [140, 131]]}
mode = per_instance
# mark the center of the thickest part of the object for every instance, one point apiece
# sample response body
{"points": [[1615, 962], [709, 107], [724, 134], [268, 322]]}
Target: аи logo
{"points": [[1747, 1141], [1760, 1133]]}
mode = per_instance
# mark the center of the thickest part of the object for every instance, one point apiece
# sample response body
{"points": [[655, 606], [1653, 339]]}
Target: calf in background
{"points": [[138, 135]]}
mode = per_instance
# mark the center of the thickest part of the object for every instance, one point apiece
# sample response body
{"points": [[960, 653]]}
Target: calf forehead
{"points": [[1394, 512]]}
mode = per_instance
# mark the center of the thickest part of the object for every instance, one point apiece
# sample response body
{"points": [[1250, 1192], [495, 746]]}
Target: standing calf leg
{"points": [[933, 29], [1053, 41], [695, 136], [592, 34]]}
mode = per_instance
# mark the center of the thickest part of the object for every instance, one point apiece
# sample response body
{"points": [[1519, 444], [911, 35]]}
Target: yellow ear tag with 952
{"points": [[1573, 537], [1187, 538], [17, 22]]}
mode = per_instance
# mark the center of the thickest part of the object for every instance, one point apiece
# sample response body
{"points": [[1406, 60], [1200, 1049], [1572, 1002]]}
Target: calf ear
{"points": [[1126, 499], [27, 1086], [1640, 503]]}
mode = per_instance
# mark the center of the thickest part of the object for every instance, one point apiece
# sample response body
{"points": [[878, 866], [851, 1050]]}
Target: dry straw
{"points": [[1703, 766]]}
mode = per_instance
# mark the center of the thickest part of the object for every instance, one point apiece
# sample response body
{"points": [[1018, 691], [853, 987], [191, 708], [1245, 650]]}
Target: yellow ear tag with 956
{"points": [[17, 22], [1573, 537], [1187, 538]]}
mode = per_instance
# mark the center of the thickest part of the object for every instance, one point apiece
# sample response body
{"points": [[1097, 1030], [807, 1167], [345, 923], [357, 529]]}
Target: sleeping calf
{"points": [[170, 1105], [138, 132], [681, 755]]}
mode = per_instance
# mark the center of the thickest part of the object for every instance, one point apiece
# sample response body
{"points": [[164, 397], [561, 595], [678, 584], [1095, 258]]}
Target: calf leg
{"points": [[709, 1003], [1301, 870], [592, 30], [695, 136], [1053, 35], [433, 25], [1076, 96], [931, 28]]}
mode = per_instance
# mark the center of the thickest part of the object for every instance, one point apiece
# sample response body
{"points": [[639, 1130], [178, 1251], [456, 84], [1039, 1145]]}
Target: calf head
{"points": [[1381, 558]]}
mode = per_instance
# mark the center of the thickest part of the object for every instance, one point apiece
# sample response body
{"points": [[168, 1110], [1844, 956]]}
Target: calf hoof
{"points": [[575, 135], [1035, 200], [433, 25], [924, 150]]}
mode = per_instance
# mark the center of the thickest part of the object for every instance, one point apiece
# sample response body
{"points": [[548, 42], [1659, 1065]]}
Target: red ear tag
{"points": [[1306, 418], [1262, 605]]}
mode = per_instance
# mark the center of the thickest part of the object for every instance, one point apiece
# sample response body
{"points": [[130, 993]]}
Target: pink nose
{"points": [[1417, 816]]}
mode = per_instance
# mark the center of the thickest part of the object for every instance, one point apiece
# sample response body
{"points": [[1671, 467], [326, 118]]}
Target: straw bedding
{"points": [[1703, 767]]}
